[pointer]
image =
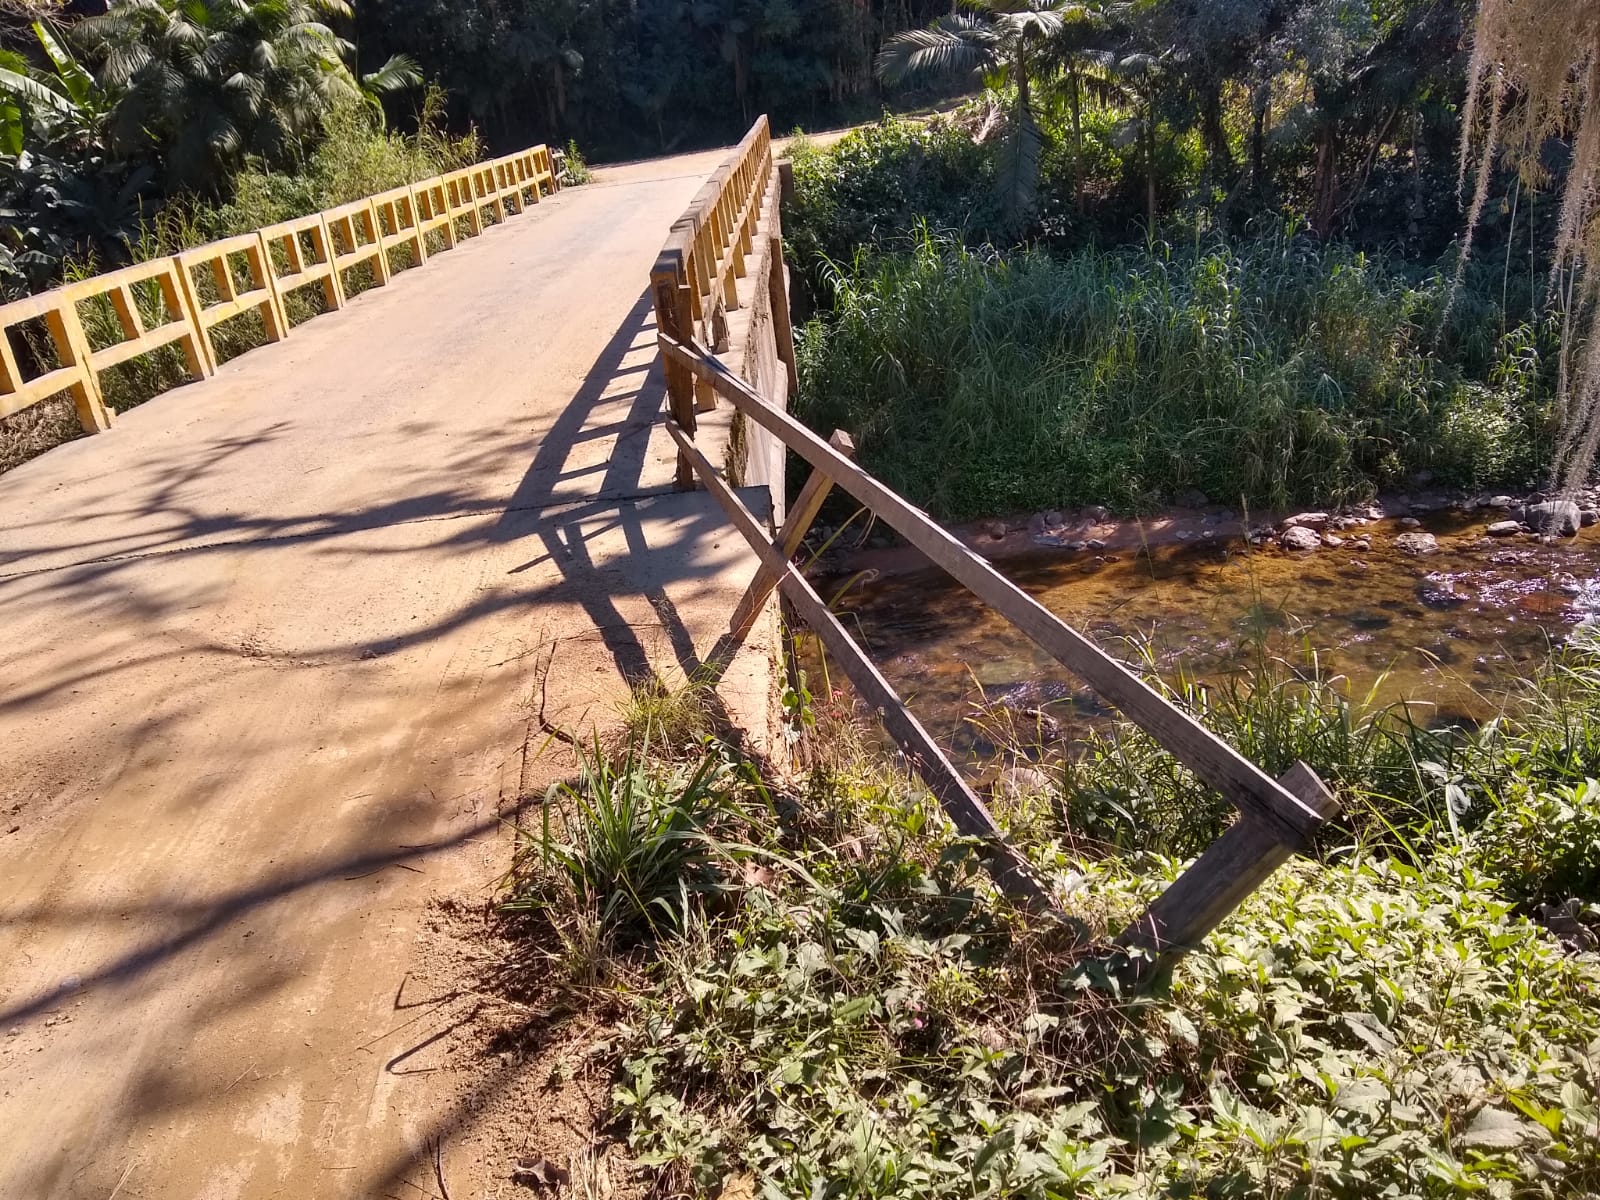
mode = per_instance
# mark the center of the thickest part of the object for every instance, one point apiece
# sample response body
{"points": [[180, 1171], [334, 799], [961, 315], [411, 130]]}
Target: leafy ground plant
{"points": [[1357, 1030]]}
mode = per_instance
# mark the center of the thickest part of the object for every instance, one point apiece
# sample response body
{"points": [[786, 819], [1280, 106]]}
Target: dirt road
{"points": [[272, 656]]}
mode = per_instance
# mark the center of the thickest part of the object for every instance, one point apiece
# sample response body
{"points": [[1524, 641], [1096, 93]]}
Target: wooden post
{"points": [[72, 348], [795, 526], [671, 304], [782, 326]]}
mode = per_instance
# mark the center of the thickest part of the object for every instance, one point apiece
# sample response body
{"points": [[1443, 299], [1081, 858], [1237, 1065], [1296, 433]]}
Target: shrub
{"points": [[577, 172], [1543, 847], [872, 187], [1277, 371]]}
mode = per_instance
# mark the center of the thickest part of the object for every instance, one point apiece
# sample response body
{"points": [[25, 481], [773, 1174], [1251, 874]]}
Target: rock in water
{"points": [[1305, 520], [1504, 528], [1299, 537], [1417, 543], [1552, 516], [1018, 782]]}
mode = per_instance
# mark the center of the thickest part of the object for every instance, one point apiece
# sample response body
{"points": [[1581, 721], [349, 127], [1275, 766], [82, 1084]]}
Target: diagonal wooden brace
{"points": [[795, 526], [1217, 882]]}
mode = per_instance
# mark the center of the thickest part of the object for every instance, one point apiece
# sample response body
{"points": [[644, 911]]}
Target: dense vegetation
{"points": [[1206, 246], [1270, 370], [823, 995]]}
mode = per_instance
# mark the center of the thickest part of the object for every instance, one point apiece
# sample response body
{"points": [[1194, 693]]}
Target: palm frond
{"points": [[75, 79], [950, 45], [1017, 172], [399, 73], [27, 90]]}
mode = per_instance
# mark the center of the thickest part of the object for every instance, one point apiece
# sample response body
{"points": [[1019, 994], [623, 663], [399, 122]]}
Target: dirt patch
{"points": [[527, 1065], [37, 428]]}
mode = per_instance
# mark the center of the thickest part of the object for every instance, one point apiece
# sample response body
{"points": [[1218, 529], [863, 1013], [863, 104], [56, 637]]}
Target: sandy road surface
{"points": [[267, 652]]}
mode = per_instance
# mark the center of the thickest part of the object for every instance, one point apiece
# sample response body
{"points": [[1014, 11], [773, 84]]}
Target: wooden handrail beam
{"points": [[1216, 763], [309, 255], [966, 811]]}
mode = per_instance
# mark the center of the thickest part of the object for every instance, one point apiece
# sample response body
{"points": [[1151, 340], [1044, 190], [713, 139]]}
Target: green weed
{"points": [[637, 842]]}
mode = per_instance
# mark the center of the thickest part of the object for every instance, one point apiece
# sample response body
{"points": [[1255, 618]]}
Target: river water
{"points": [[1449, 632]]}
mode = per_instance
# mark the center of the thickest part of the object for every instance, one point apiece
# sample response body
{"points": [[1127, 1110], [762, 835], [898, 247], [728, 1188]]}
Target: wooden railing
{"points": [[695, 281], [252, 272], [1277, 817]]}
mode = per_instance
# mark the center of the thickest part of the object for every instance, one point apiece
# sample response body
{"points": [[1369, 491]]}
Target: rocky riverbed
{"points": [[1439, 602]]}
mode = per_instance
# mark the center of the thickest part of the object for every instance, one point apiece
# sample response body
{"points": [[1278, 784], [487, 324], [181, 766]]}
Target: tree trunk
{"points": [[1150, 165], [1258, 139], [1325, 188], [1075, 97], [1020, 68], [1216, 137]]}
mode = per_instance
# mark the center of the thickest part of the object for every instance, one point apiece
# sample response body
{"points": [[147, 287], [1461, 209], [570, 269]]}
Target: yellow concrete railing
{"points": [[276, 261], [695, 278], [697, 269]]}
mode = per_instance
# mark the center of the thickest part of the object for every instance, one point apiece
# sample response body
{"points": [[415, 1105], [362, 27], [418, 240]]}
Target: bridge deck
{"points": [[286, 629]]}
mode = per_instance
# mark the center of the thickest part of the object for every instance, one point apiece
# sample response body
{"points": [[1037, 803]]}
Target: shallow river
{"points": [[1452, 630]]}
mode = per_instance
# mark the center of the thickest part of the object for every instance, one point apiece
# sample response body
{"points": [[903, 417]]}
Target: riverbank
{"points": [[1478, 520], [801, 981]]}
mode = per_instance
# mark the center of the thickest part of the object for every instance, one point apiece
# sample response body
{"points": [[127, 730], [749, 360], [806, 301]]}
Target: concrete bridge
{"points": [[278, 652], [282, 656]]}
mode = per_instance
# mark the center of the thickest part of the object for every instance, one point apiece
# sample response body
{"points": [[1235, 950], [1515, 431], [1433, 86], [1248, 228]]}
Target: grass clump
{"points": [[675, 720], [1273, 371], [636, 841]]}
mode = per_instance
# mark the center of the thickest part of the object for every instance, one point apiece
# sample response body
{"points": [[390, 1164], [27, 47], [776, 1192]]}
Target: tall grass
{"points": [[629, 840], [1273, 371], [1510, 785]]}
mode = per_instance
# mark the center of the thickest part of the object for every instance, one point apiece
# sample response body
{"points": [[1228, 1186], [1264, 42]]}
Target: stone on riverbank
{"points": [[1417, 543], [1504, 529], [1299, 537], [1552, 516]]}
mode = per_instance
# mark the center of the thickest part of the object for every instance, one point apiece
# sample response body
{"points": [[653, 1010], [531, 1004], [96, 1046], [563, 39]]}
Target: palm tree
{"points": [[62, 106], [1083, 64], [396, 75], [202, 83], [999, 40]]}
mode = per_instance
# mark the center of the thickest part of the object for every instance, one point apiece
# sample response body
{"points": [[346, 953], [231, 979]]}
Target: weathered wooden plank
{"points": [[1244, 784], [782, 325], [804, 511], [1231, 868], [966, 811]]}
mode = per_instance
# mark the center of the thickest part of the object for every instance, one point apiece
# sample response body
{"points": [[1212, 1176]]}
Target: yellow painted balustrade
{"points": [[46, 349]]}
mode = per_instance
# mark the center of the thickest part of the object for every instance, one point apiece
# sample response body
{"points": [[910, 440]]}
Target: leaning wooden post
{"points": [[1217, 882], [806, 507]]}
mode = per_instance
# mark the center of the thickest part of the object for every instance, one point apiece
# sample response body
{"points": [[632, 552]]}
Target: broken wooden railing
{"points": [[1276, 817], [252, 272]]}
